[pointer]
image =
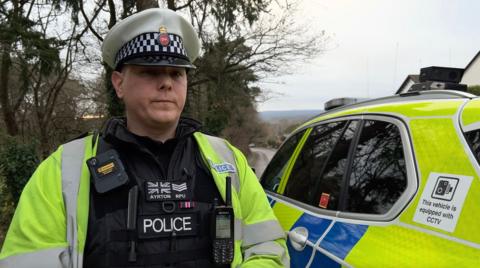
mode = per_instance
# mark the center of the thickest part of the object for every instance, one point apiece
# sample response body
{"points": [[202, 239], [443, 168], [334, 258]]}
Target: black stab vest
{"points": [[107, 243]]}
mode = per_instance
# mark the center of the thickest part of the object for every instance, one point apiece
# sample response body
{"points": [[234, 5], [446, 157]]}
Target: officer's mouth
{"points": [[161, 101]]}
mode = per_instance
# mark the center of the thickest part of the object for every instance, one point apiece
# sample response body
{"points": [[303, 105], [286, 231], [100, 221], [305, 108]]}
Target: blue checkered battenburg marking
{"points": [[149, 44]]}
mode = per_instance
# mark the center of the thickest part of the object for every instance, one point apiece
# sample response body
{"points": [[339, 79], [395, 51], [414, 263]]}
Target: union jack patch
{"points": [[167, 190]]}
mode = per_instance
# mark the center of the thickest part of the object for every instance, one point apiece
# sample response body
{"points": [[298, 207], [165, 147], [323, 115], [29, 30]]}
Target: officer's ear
{"points": [[117, 82]]}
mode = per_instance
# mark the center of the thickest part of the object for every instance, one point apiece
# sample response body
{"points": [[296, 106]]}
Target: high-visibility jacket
{"points": [[50, 223]]}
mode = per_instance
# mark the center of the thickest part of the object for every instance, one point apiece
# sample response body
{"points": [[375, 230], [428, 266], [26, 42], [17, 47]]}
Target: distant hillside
{"points": [[300, 115]]}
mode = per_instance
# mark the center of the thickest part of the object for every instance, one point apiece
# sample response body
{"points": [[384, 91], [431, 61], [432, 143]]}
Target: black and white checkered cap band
{"points": [[148, 44]]}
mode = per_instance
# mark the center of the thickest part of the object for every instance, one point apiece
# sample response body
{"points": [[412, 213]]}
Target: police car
{"points": [[391, 182]]}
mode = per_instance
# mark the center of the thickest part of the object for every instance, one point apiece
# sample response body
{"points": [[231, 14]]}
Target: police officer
{"points": [[150, 190]]}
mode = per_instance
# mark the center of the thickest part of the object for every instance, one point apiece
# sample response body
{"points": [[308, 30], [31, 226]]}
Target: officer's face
{"points": [[154, 96]]}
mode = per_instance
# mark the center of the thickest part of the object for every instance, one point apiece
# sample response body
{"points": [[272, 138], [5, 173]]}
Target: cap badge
{"points": [[163, 38]]}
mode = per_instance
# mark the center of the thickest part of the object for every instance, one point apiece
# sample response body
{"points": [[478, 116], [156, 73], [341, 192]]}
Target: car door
{"points": [[317, 181], [332, 175], [374, 191], [298, 190]]}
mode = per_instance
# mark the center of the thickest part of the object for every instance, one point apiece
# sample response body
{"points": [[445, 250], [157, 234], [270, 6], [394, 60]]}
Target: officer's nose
{"points": [[164, 82]]}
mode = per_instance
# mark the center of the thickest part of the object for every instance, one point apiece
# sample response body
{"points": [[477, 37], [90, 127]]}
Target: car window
{"points": [[273, 173], [330, 185], [473, 138], [378, 173], [309, 165]]}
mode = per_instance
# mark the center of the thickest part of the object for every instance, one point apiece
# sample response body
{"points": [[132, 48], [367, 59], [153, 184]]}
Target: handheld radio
{"points": [[223, 222]]}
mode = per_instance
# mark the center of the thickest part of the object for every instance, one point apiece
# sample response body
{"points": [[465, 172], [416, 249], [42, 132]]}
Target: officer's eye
{"points": [[148, 72], [177, 74]]}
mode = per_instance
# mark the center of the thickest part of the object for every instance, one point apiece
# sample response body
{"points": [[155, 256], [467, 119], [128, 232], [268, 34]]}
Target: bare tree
{"points": [[40, 47], [237, 36]]}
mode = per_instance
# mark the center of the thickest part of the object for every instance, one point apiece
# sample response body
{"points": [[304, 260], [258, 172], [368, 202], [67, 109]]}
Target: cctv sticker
{"points": [[442, 200]]}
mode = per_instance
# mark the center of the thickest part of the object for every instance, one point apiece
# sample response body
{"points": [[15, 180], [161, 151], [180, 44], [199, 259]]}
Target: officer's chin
{"points": [[165, 117]]}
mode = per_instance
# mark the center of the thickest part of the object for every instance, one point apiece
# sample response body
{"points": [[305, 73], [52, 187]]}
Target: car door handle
{"points": [[298, 238]]}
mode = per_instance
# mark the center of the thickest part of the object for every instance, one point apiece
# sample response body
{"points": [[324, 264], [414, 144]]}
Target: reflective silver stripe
{"points": [[237, 235], [221, 148], [269, 248], [72, 161], [48, 258], [470, 127], [262, 232]]}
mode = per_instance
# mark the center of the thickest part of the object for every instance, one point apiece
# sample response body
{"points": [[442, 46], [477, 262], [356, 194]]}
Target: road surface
{"points": [[260, 158]]}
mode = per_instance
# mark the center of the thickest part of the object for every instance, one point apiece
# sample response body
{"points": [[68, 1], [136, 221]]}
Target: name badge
{"points": [[167, 190], [154, 226]]}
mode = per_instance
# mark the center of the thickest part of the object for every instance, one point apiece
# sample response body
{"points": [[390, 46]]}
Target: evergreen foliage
{"points": [[7, 208], [474, 90], [18, 161]]}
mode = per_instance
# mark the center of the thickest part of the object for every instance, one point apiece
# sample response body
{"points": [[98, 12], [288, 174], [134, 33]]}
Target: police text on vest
{"points": [[165, 225]]}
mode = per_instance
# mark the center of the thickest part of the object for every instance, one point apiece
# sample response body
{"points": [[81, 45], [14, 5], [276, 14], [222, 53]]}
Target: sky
{"points": [[374, 45]]}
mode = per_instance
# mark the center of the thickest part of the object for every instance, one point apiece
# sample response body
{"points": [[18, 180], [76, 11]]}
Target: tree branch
{"points": [[184, 6], [113, 14], [89, 22]]}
